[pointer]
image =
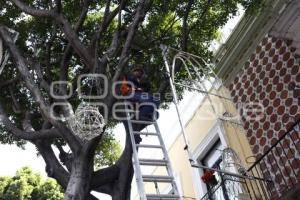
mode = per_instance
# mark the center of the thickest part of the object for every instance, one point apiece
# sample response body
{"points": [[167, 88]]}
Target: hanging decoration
{"points": [[87, 122], [232, 162]]}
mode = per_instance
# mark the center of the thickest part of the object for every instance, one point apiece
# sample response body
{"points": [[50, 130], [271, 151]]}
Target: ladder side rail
{"points": [[135, 158], [175, 100], [166, 156]]}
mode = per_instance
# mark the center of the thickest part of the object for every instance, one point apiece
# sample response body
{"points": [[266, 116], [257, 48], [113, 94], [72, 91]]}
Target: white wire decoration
{"points": [[232, 162], [87, 122]]}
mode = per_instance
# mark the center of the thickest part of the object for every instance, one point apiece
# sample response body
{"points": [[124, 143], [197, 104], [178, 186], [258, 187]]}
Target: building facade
{"points": [[260, 66], [260, 73]]}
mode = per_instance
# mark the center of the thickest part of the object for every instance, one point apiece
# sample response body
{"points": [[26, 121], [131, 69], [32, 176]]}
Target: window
{"points": [[218, 186], [208, 152], [213, 159]]}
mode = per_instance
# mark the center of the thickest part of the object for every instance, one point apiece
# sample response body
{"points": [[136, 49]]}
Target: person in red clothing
{"points": [[140, 90], [136, 86]]}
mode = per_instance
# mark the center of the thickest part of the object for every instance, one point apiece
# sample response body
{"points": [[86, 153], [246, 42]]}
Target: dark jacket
{"points": [[143, 85]]}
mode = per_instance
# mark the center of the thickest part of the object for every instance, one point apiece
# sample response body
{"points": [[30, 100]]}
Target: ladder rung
{"points": [[162, 196], [144, 133], [153, 162], [149, 146], [141, 122], [152, 178]]}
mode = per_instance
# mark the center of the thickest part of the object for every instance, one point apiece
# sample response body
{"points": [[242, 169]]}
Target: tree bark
{"points": [[80, 178], [121, 188], [79, 183]]}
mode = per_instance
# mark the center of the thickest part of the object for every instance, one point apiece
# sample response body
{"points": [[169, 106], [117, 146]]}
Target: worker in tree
{"points": [[136, 85]]}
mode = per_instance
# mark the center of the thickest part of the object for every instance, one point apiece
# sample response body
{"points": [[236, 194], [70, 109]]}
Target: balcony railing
{"points": [[281, 163], [238, 187], [269, 178]]}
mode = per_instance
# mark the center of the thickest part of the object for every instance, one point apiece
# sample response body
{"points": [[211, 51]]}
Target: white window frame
{"points": [[215, 133]]}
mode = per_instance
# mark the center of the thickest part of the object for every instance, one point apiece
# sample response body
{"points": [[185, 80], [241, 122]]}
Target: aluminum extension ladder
{"points": [[138, 163]]}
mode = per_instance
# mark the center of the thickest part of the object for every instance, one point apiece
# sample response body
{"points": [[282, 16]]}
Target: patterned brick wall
{"points": [[268, 79]]}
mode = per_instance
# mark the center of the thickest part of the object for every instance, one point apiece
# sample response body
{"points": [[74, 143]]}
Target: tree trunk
{"points": [[79, 184], [122, 187]]}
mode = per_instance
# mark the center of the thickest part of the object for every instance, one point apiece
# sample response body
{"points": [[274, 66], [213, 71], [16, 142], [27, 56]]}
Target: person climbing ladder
{"points": [[138, 88]]}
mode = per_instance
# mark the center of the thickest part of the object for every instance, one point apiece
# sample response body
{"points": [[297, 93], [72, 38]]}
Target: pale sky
{"points": [[13, 158]]}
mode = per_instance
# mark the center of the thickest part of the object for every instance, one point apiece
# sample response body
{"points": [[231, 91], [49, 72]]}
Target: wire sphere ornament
{"points": [[87, 122], [232, 162]]}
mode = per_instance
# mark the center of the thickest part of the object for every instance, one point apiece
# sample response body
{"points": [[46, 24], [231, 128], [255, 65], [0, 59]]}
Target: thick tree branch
{"points": [[98, 35], [22, 68], [32, 11], [73, 39], [64, 65], [35, 91], [47, 59], [184, 38], [64, 157], [123, 185], [106, 189], [58, 5], [15, 104], [26, 135], [79, 48], [5, 83], [53, 168], [104, 176], [140, 14], [43, 83]]}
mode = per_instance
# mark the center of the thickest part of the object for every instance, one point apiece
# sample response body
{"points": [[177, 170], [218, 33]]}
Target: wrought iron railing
{"points": [[281, 163], [238, 187], [270, 177]]}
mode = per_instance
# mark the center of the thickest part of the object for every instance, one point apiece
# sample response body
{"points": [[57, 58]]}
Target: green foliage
{"points": [[107, 152], [164, 24], [26, 185]]}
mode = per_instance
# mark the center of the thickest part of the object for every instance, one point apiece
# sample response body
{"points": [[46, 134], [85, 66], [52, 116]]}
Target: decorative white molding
{"points": [[215, 133], [232, 56], [288, 24]]}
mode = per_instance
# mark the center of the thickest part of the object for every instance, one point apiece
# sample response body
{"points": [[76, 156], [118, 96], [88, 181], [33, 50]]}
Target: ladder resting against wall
{"points": [[142, 180]]}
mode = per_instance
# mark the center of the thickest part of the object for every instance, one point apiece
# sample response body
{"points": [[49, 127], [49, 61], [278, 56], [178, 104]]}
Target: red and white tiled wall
{"points": [[269, 79]]}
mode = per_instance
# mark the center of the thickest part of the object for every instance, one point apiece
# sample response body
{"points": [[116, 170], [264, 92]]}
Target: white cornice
{"points": [[288, 25], [249, 32]]}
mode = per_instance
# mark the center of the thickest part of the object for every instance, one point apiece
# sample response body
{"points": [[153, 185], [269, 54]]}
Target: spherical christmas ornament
{"points": [[87, 122], [232, 162]]}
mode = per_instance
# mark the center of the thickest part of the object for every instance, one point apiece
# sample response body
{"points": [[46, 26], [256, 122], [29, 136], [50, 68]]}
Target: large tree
{"points": [[61, 40]]}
